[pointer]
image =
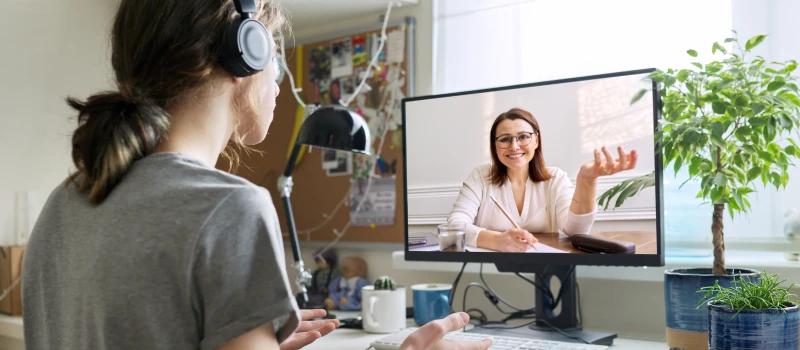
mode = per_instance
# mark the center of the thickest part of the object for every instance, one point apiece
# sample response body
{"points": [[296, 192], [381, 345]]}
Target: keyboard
{"points": [[394, 340]]}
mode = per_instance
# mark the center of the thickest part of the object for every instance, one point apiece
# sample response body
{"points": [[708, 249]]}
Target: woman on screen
{"points": [[538, 198]]}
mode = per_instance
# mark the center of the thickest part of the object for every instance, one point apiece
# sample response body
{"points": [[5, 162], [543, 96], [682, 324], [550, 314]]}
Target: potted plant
{"points": [[750, 315], [726, 124]]}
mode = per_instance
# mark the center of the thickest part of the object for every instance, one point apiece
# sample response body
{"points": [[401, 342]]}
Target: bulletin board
{"points": [[323, 179]]}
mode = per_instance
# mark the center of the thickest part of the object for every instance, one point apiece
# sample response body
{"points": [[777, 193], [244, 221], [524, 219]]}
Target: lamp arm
{"points": [[302, 276]]}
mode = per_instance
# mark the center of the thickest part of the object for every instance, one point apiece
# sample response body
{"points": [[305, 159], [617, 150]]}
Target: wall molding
{"points": [[430, 205]]}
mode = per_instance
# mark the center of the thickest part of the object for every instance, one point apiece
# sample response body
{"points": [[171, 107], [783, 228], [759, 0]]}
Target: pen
{"points": [[509, 217], [414, 243]]}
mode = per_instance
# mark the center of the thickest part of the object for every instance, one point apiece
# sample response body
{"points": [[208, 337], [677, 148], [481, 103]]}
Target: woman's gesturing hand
{"points": [[606, 164]]}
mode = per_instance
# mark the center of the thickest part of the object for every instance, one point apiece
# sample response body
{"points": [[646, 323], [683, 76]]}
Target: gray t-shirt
{"points": [[179, 256]]}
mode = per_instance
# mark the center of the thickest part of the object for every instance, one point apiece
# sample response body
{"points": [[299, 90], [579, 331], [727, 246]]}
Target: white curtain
{"points": [[487, 43]]}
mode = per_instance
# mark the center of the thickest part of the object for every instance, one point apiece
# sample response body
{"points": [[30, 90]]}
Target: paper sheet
{"points": [[542, 248], [396, 46]]}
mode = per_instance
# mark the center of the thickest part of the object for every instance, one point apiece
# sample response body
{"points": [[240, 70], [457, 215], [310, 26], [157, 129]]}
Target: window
{"points": [[482, 44]]}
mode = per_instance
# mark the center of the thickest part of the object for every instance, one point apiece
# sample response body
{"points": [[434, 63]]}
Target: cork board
{"points": [[315, 193]]}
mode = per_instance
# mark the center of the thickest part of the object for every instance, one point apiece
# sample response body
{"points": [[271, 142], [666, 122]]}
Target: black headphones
{"points": [[247, 47]]}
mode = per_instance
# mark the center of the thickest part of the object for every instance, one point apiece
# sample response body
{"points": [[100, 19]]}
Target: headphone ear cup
{"points": [[247, 49]]}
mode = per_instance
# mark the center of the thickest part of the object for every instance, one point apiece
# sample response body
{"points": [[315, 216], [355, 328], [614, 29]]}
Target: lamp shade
{"points": [[335, 127]]}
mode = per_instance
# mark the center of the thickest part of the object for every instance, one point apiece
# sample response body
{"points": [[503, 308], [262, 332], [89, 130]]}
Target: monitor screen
{"points": [[518, 174]]}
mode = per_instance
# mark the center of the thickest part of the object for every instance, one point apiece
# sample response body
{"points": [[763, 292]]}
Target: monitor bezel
{"points": [[552, 258]]}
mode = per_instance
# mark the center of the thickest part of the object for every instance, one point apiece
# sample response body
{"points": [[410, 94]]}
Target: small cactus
{"points": [[384, 283]]}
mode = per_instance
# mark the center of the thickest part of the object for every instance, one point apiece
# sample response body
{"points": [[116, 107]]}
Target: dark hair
{"points": [[162, 51], [537, 170]]}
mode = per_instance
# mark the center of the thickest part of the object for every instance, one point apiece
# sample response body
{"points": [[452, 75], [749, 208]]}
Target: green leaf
{"points": [[753, 173], [678, 164], [790, 150], [718, 107], [719, 47], [786, 122], [792, 98], [749, 149], [757, 108], [753, 42], [683, 74], [720, 180], [692, 53], [717, 129], [775, 85], [727, 40], [757, 122], [718, 141], [741, 101], [698, 65], [638, 95]]}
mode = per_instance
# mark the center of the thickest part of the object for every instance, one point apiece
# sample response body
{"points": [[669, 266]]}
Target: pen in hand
{"points": [[510, 218]]}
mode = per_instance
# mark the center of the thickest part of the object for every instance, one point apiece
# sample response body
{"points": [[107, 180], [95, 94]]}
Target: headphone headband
{"points": [[245, 7]]}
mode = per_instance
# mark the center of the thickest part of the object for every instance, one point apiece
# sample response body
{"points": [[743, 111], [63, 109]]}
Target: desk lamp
{"points": [[331, 127]]}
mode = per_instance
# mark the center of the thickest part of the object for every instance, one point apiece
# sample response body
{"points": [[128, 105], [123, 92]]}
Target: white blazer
{"points": [[546, 207]]}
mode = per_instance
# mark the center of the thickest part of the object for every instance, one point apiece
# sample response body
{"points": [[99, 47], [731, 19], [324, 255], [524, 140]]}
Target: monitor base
{"points": [[596, 338]]}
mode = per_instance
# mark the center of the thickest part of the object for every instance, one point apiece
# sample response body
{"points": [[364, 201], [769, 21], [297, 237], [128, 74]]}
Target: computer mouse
{"points": [[355, 323]]}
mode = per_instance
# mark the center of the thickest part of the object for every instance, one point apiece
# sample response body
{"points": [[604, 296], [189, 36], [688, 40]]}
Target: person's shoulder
{"points": [[482, 171], [182, 172], [556, 174]]}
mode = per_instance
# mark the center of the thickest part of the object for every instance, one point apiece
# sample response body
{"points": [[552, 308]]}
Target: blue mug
{"points": [[431, 302]]}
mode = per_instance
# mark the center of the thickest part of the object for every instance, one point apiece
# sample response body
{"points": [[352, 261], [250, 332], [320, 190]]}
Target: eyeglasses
{"points": [[523, 139]]}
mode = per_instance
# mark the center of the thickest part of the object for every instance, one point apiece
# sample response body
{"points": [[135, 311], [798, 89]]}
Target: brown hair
{"points": [[163, 51], [358, 265], [537, 170]]}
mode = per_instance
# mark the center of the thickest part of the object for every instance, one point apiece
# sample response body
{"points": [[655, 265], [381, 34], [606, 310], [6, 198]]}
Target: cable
{"points": [[543, 289], [494, 300], [482, 317], [561, 289], [580, 313], [495, 295], [564, 333], [375, 56], [455, 285], [484, 325], [288, 72]]}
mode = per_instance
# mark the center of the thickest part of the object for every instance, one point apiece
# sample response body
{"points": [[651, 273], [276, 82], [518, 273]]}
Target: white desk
{"points": [[11, 337], [360, 340]]}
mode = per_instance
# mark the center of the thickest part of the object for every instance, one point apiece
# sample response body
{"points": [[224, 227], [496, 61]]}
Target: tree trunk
{"points": [[718, 240]]}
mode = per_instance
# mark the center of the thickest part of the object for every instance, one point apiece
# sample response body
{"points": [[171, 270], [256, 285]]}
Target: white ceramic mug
{"points": [[383, 311]]}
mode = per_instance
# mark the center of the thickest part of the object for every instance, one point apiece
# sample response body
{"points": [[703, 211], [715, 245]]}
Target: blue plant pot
{"points": [[765, 329], [687, 325]]}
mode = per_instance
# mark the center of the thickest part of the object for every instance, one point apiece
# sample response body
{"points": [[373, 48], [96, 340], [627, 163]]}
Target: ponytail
{"points": [[113, 132]]}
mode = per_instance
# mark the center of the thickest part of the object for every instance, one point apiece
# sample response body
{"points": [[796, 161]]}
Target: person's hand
{"points": [[606, 164], [515, 240], [309, 331], [343, 301], [429, 336], [329, 303]]}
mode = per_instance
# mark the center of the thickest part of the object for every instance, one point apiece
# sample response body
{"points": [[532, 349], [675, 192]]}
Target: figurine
{"points": [[325, 273], [345, 291]]}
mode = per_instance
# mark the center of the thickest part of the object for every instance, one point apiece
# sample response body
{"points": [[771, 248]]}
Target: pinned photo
{"points": [[341, 58]]}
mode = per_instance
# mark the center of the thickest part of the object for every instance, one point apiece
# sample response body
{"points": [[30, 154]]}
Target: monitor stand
{"points": [[566, 320]]}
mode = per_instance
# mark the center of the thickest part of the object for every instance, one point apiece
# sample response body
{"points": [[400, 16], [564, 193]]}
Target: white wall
{"points": [[50, 51]]}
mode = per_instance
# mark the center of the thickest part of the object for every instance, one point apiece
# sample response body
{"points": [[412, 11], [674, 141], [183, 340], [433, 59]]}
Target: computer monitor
{"points": [[525, 155]]}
